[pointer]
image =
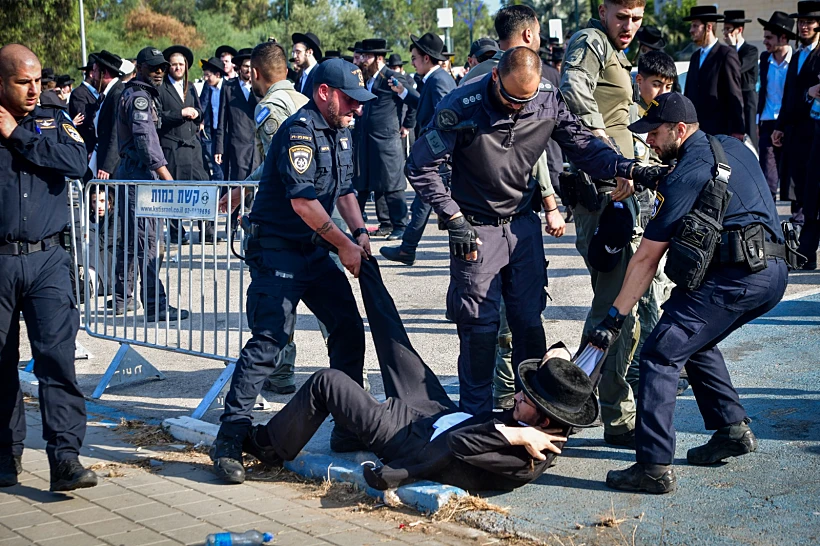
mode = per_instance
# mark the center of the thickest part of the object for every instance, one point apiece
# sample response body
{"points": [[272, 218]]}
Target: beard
{"points": [[335, 118], [668, 152]]}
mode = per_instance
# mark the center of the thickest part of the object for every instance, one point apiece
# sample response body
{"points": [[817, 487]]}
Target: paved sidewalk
{"points": [[180, 503]]}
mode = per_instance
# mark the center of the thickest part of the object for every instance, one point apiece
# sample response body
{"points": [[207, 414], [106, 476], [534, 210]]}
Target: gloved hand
{"points": [[648, 176], [463, 237], [605, 334]]}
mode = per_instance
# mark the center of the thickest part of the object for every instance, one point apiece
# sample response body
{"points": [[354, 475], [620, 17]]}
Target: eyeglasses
{"points": [[298, 52], [512, 99]]}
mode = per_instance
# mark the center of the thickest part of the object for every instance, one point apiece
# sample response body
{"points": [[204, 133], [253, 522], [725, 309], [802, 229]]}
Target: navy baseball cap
{"points": [[482, 46], [613, 234], [344, 76], [151, 56], [666, 108]]}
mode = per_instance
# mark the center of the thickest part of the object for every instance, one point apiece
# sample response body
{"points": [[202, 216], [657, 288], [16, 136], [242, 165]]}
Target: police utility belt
{"points": [[577, 187], [20, 248], [255, 240], [701, 243], [484, 220]]}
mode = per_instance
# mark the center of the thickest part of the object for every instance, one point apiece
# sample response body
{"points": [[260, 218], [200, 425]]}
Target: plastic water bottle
{"points": [[815, 109], [248, 538]]}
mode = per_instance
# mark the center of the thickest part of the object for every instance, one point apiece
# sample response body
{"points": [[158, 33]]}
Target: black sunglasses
{"points": [[512, 99]]}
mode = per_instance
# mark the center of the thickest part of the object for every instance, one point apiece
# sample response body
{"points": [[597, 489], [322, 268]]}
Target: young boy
{"points": [[656, 75]]}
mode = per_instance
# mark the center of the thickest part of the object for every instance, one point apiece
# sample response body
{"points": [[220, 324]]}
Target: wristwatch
{"points": [[616, 316], [360, 231]]}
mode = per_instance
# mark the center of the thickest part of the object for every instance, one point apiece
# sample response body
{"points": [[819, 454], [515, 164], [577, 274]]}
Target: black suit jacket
{"points": [[238, 142], [748, 56], [83, 101], [108, 148], [432, 91], [214, 135], [714, 88], [178, 136]]}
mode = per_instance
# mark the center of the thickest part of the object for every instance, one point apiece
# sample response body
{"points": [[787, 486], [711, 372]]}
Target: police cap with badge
{"points": [[152, 57], [344, 76]]}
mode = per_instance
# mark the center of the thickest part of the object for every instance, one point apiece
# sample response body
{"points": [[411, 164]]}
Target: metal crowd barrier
{"points": [[206, 279]]}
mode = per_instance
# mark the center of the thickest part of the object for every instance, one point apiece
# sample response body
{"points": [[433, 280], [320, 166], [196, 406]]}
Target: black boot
{"points": [[226, 453], [70, 475], [10, 467], [645, 478], [729, 441], [258, 445]]}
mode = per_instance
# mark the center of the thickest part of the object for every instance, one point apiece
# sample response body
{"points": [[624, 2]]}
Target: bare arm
{"points": [[639, 274]]}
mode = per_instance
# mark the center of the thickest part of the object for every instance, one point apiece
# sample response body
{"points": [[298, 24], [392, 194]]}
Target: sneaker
{"points": [[396, 254], [626, 439], [344, 441], [171, 312], [649, 478], [70, 475], [729, 441], [226, 453], [266, 455], [396, 235], [10, 467], [381, 231]]}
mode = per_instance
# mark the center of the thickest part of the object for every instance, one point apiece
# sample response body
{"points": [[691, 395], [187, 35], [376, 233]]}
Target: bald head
{"points": [[20, 75], [14, 57], [520, 63], [517, 78]]}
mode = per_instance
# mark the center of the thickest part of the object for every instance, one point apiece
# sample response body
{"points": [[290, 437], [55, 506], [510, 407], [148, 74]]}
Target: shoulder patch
{"points": [[141, 103], [656, 206], [545, 86], [48, 123], [263, 113], [446, 119], [72, 132], [300, 157], [345, 143], [598, 48], [300, 136], [270, 126], [434, 141]]}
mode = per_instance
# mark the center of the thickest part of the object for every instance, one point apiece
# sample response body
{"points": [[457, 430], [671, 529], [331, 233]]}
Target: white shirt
{"points": [[304, 77], [178, 86], [246, 88], [805, 51], [403, 94], [216, 91], [446, 422], [776, 74], [704, 52], [740, 42]]}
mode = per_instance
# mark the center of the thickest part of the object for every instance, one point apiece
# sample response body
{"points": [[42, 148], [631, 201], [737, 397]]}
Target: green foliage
{"points": [[338, 24], [674, 28], [50, 28]]}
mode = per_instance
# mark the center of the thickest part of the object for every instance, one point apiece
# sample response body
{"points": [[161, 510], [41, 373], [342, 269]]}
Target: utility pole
{"points": [[82, 34], [448, 42]]}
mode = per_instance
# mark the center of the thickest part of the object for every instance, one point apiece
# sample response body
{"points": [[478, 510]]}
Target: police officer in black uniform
{"points": [[745, 278], [142, 159], [39, 148], [492, 132], [308, 171]]}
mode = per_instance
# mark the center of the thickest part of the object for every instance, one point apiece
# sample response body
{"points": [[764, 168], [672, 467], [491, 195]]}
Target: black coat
{"points": [[238, 143], [377, 145], [714, 88], [215, 135], [427, 98], [108, 149], [83, 101], [178, 136], [748, 56]]}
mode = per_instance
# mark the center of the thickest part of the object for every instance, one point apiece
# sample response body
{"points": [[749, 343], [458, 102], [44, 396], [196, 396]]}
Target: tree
{"points": [[338, 24], [50, 28]]}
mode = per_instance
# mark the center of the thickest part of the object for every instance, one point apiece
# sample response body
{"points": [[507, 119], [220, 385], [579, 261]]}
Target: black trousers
{"points": [[810, 236], [399, 427], [770, 156], [38, 286]]}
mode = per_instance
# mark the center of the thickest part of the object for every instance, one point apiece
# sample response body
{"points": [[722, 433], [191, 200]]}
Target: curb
{"points": [[425, 496]]}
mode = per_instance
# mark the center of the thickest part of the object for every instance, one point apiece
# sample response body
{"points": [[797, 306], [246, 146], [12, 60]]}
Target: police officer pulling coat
{"points": [[727, 257], [310, 174], [39, 148]]}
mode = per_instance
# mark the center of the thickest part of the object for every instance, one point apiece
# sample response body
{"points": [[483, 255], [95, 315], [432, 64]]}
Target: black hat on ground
{"points": [[111, 61], [311, 41], [651, 37], [224, 49], [482, 46], [807, 9], [735, 17], [430, 44], [242, 54], [150, 56], [357, 47], [612, 236], [666, 108], [704, 13], [561, 390], [375, 46], [333, 54], [395, 60], [779, 23], [344, 76], [182, 50], [64, 80], [213, 64], [47, 75]]}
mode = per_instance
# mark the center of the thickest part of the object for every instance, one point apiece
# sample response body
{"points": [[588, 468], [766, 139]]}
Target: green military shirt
{"points": [[596, 84]]}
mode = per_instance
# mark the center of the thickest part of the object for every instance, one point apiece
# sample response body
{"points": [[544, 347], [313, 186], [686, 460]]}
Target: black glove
{"points": [[605, 334], [462, 237], [648, 176]]}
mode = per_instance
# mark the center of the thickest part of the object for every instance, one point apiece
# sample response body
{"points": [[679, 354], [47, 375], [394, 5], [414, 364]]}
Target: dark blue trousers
{"points": [[419, 214], [280, 279], [692, 325], [38, 286]]}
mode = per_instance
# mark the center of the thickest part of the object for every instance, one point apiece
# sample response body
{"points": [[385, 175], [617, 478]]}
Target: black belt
{"points": [[272, 242], [729, 250], [17, 248], [482, 220]]}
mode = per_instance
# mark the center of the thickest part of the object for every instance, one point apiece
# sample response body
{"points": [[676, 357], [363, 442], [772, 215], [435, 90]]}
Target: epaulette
{"points": [[471, 99]]}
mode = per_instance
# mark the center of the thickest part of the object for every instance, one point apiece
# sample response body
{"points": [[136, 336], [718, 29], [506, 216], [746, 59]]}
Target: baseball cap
{"points": [[151, 56], [666, 108], [613, 234], [344, 76], [482, 46]]}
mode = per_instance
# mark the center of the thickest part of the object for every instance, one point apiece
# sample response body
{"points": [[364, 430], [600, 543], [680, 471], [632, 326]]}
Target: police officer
{"points": [[142, 159], [310, 173], [492, 132], [39, 148], [696, 319], [597, 86]]}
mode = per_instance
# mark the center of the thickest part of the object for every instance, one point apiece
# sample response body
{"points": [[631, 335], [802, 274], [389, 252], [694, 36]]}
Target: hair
{"points": [[629, 4], [422, 53], [657, 63], [269, 59], [778, 33], [521, 60], [512, 20]]}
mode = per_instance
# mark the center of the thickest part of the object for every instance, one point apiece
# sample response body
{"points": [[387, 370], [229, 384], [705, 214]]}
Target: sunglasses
{"points": [[512, 99]]}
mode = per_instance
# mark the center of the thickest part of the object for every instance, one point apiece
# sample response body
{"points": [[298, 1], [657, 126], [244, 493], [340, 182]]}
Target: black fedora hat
{"points": [[561, 390], [109, 60], [242, 54], [374, 46], [348, 58], [91, 58], [704, 13], [357, 47], [333, 54], [64, 80], [182, 50], [735, 17], [213, 64], [311, 41], [651, 37], [224, 49], [807, 9], [395, 60], [430, 44], [779, 23]]}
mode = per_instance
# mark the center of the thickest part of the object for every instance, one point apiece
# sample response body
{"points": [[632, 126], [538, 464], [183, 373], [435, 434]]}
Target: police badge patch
{"points": [[270, 126], [300, 157], [656, 206], [72, 132], [141, 103]]}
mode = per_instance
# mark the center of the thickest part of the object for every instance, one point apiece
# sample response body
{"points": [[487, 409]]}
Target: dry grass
{"points": [[142, 434], [469, 503]]}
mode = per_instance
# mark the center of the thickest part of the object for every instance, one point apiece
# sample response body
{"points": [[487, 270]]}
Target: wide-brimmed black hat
{"points": [[224, 49], [242, 54], [430, 44], [47, 75], [91, 58], [395, 60], [213, 64], [779, 23], [348, 58], [109, 60], [311, 41], [64, 80], [357, 47], [651, 37], [561, 390], [735, 17], [704, 13], [182, 50], [333, 54], [807, 9], [375, 46], [611, 237]]}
